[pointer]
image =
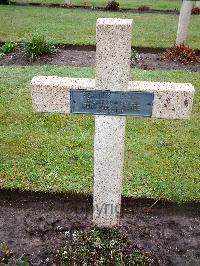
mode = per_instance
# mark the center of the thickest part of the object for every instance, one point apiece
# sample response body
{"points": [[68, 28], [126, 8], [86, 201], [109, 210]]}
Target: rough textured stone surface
{"points": [[108, 169], [112, 72], [52, 94], [113, 53], [184, 22], [171, 100]]}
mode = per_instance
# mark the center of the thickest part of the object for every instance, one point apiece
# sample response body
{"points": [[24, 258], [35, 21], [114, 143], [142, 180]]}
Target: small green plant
{"points": [[37, 46], [143, 8], [86, 3], [8, 47], [196, 10], [6, 253], [4, 2], [100, 247], [112, 5], [1, 55], [135, 57], [7, 258], [181, 53]]}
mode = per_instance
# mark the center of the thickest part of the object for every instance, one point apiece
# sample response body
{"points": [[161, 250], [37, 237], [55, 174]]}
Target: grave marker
{"points": [[111, 96], [184, 22]]}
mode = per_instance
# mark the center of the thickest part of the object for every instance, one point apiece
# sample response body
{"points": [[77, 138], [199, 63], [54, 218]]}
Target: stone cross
{"points": [[111, 97], [184, 22]]}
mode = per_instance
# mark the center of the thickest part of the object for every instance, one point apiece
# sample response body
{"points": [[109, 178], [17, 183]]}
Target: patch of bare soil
{"points": [[152, 61], [85, 56], [34, 225]]}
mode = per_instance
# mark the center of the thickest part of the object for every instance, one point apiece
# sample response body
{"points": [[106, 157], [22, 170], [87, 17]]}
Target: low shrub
{"points": [[181, 54], [143, 8], [100, 247], [112, 6], [8, 47], [8, 259], [1, 55], [135, 57], [4, 2], [37, 46], [85, 3], [196, 10]]}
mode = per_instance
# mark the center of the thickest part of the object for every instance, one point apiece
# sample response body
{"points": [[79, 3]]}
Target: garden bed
{"points": [[34, 225], [150, 59], [132, 10]]}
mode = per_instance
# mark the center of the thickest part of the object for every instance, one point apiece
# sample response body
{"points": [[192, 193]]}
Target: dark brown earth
{"points": [[85, 56], [34, 225]]}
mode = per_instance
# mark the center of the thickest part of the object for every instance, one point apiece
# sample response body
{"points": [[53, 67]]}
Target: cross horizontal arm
{"points": [[171, 100]]}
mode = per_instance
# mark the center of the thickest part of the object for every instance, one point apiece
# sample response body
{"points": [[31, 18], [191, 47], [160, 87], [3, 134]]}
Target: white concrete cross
{"points": [[184, 22], [52, 94]]}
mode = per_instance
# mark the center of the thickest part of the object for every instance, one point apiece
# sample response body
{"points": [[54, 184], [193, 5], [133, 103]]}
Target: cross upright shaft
{"points": [[112, 73]]}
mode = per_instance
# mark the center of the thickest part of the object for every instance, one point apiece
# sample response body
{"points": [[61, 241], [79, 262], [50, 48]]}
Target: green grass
{"points": [[78, 26], [54, 152], [154, 4]]}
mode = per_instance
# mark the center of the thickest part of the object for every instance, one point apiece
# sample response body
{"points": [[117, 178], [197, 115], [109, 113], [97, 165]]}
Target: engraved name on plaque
{"points": [[111, 102]]}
